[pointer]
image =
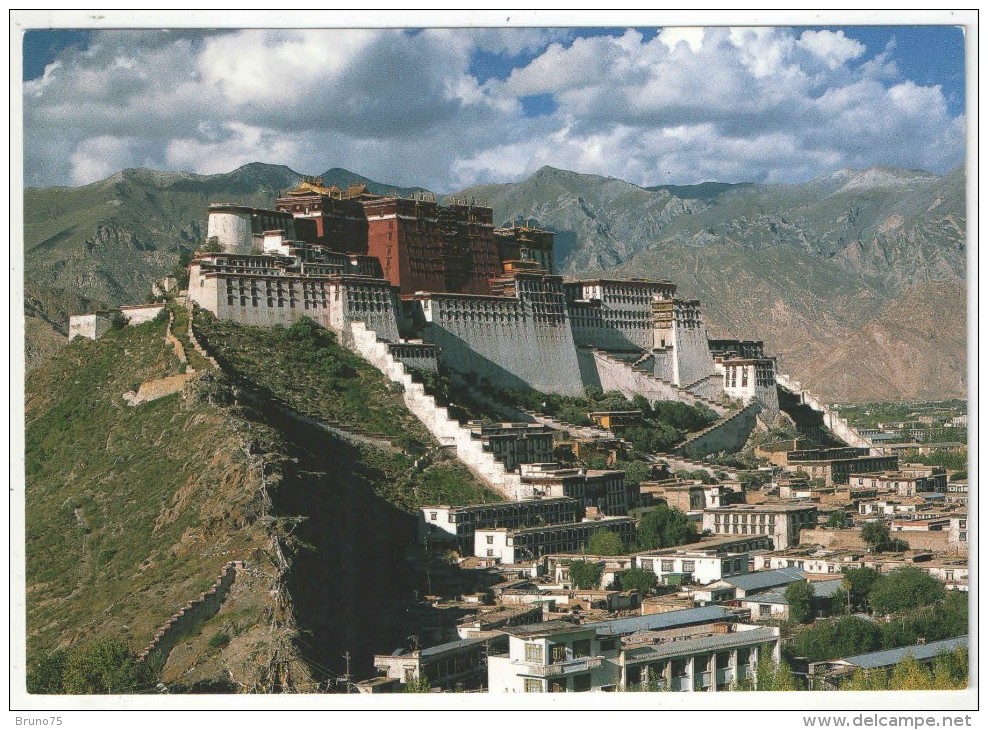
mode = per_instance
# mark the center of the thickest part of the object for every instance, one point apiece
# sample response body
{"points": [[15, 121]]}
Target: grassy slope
{"points": [[317, 377], [130, 512]]}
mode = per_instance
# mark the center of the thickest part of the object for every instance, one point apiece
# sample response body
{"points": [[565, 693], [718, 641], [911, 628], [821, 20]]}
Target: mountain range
{"points": [[856, 280]]}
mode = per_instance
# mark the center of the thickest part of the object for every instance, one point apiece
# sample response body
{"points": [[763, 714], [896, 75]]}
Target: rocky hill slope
{"points": [[804, 267], [808, 268], [132, 512]]}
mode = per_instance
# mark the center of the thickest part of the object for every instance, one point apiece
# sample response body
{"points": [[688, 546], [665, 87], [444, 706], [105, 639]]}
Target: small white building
{"points": [[91, 326], [691, 566]]}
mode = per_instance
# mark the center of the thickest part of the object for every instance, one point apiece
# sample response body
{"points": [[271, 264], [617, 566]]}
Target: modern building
{"points": [[695, 653]]}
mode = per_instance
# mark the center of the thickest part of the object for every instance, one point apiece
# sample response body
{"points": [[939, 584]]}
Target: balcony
{"points": [[571, 666]]}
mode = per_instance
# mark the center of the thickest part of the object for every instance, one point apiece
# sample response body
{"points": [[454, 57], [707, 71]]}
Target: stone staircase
{"points": [[447, 431], [706, 441], [647, 384]]}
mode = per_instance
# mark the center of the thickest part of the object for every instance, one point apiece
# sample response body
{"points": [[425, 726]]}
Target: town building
{"points": [[460, 664], [443, 523], [697, 650], [829, 674], [836, 465], [514, 545], [780, 521], [773, 604], [685, 566], [908, 481], [605, 490]]}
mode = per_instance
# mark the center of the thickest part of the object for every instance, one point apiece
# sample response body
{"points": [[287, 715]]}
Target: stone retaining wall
{"points": [[192, 614]]}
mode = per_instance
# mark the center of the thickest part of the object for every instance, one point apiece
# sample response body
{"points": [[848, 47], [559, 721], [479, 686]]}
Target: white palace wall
{"points": [[502, 339]]}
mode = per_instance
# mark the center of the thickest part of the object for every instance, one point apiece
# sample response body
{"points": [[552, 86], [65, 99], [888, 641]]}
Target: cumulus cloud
{"points": [[682, 106]]}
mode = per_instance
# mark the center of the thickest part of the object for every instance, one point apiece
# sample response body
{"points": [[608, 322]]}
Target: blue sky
{"points": [[454, 107]]}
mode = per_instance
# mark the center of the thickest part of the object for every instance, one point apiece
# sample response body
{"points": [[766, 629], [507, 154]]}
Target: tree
{"points": [[800, 597], [905, 588], [844, 636], [636, 579], [585, 575], [664, 526], [418, 685], [875, 534], [837, 520], [604, 542], [859, 582]]}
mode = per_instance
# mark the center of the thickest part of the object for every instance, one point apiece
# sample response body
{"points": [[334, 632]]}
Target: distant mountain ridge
{"points": [[804, 267]]}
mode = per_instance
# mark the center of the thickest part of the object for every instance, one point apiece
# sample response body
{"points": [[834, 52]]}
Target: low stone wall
{"points": [[154, 389], [192, 614], [176, 343], [615, 374], [436, 419], [195, 343]]}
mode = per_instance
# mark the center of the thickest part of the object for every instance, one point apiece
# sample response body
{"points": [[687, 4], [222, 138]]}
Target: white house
{"points": [[692, 566]]}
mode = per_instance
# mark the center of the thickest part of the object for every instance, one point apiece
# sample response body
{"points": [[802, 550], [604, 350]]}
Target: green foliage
{"points": [[604, 542], [844, 636], [219, 639], [635, 472], [44, 676], [837, 520], [948, 671], [118, 321], [653, 437], [664, 526], [585, 575], [636, 579], [104, 666], [771, 677], [664, 424], [905, 588], [304, 367], [859, 582], [419, 685], [875, 534], [800, 597], [849, 635]]}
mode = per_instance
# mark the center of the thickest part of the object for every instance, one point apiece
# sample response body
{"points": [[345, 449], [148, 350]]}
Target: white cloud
{"points": [[686, 105]]}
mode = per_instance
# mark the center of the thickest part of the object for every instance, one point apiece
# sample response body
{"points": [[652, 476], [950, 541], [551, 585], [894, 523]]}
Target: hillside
{"points": [[802, 267], [133, 511]]}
